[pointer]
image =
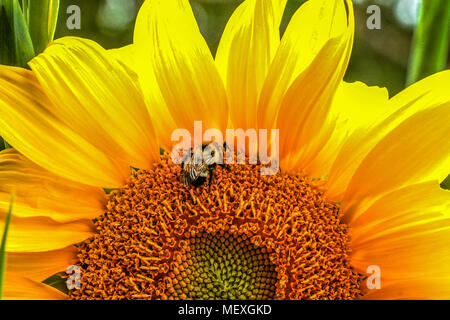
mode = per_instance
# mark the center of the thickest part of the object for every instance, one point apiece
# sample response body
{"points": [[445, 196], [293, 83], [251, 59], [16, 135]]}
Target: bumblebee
{"points": [[201, 164]]}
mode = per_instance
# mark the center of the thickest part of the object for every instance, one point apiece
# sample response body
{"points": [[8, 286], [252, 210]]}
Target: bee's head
{"points": [[212, 153]]}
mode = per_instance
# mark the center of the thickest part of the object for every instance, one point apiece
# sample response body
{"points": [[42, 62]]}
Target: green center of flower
{"points": [[222, 267]]}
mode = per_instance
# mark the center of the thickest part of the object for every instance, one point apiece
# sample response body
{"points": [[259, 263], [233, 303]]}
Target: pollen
{"points": [[250, 237]]}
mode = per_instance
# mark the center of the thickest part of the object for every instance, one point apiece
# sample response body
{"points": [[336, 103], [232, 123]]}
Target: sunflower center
{"points": [[222, 266], [250, 237]]}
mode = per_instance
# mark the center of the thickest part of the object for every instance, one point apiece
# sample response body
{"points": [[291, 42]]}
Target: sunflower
{"points": [[358, 189]]}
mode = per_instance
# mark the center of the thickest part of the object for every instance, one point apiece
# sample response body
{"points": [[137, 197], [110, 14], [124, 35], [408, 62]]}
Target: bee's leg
{"points": [[223, 163], [225, 166], [211, 179], [226, 149]]}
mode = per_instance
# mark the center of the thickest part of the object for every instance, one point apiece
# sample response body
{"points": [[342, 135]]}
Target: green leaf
{"points": [[108, 191], [41, 17], [16, 47], [446, 183], [2, 144], [3, 246], [431, 40], [57, 282]]}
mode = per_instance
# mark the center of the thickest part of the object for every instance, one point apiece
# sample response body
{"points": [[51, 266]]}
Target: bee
{"points": [[201, 164]]}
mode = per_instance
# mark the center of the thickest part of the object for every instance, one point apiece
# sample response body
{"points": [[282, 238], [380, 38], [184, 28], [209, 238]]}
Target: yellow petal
{"points": [[314, 24], [416, 151], [41, 193], [365, 132], [28, 123], [95, 96], [359, 105], [303, 113], [303, 79], [400, 207], [18, 287], [36, 234], [246, 49], [430, 289], [356, 108], [38, 266], [126, 56], [167, 36], [406, 233], [162, 120], [432, 90]]}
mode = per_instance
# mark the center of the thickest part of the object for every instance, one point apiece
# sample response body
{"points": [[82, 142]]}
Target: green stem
{"points": [[42, 18], [3, 246], [430, 46]]}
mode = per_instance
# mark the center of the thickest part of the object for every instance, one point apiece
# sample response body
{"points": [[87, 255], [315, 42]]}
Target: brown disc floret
{"points": [[251, 237]]}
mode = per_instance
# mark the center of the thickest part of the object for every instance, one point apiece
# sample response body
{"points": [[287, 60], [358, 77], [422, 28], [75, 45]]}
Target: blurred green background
{"points": [[380, 57]]}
